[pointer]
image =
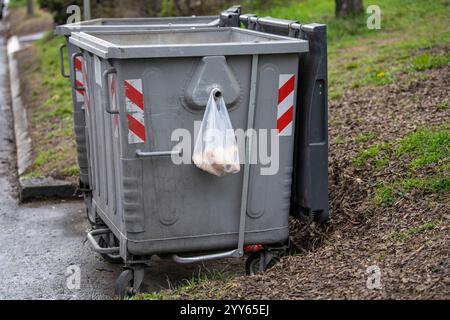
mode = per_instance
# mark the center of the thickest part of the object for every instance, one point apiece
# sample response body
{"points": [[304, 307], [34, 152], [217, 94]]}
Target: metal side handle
{"points": [[97, 232], [74, 71], [61, 61], [105, 91], [290, 28], [221, 255], [144, 154]]}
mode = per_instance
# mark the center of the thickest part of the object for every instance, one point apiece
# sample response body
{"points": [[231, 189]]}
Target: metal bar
{"points": [[97, 232], [214, 256], [61, 61], [144, 154], [87, 9], [105, 91], [268, 21], [249, 147]]}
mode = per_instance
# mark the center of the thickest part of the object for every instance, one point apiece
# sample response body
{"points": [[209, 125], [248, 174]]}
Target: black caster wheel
{"points": [[108, 241], [129, 282], [124, 284], [253, 264]]}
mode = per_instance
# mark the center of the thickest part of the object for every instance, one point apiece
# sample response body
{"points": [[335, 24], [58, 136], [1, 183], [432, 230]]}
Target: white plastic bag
{"points": [[216, 150]]}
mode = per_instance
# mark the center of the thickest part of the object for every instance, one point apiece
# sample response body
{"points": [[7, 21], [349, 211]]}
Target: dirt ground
{"points": [[334, 259], [20, 24]]}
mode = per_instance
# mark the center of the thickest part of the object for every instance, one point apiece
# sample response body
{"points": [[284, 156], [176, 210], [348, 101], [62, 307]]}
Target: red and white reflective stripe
{"points": [[285, 107], [134, 101], [85, 86], [115, 117], [79, 78]]}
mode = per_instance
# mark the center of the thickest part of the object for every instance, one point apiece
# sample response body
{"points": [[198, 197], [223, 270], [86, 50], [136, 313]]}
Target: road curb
{"points": [[23, 141], [46, 187], [29, 188]]}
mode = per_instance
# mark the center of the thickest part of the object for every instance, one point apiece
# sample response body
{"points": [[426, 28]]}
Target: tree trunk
{"points": [[345, 8], [30, 8]]}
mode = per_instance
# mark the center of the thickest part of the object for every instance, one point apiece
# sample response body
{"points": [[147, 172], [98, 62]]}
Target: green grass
{"points": [[406, 26], [384, 195], [14, 4], [338, 140], [405, 235], [60, 96], [368, 154], [427, 61], [44, 157], [426, 149], [188, 284], [365, 137], [73, 170], [428, 184], [442, 105], [381, 163], [32, 174], [55, 152]]}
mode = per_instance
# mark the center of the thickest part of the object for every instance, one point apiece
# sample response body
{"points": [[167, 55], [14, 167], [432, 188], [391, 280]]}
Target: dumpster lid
{"points": [[129, 24], [185, 43]]}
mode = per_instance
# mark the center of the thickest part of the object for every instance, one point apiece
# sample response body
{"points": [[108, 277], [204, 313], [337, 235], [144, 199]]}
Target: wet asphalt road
{"points": [[40, 240]]}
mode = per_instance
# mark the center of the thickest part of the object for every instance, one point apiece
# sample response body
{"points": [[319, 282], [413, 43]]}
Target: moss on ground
{"points": [[425, 154]]}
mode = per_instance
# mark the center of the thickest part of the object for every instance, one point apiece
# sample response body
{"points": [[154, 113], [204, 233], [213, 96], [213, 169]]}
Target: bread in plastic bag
{"points": [[216, 150]]}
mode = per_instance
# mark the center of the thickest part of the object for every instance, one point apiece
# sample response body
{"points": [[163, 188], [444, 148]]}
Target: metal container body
{"points": [[110, 25], [310, 178], [155, 206]]}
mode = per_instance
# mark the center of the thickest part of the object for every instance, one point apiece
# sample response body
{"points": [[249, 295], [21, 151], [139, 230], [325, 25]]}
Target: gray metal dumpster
{"points": [[310, 177], [229, 17], [143, 86]]}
